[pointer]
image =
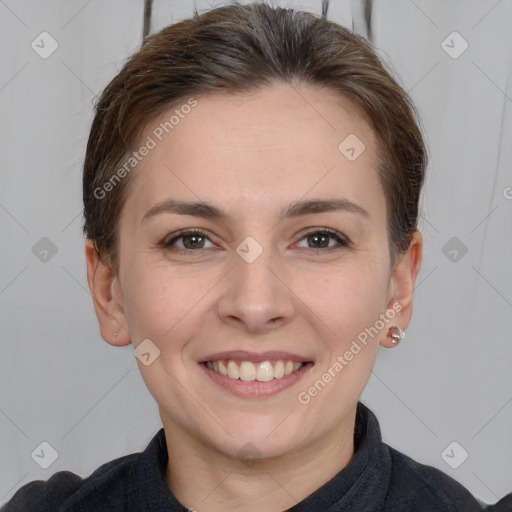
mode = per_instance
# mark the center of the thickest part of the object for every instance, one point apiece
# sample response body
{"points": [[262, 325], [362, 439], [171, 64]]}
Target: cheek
{"points": [[348, 303], [348, 298], [156, 302]]}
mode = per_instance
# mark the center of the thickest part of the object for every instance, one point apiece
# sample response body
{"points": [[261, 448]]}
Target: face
{"points": [[259, 282]]}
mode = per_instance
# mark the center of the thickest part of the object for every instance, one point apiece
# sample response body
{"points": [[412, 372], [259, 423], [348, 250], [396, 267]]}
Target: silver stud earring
{"points": [[396, 334]]}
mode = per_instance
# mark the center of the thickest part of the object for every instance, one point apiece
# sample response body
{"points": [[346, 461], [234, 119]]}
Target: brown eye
{"points": [[320, 239], [192, 239]]}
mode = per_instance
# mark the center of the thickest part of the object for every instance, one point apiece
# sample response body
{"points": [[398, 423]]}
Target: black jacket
{"points": [[378, 478]]}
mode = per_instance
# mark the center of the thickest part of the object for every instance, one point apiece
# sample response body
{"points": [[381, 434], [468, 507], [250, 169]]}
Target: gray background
{"points": [[450, 380]]}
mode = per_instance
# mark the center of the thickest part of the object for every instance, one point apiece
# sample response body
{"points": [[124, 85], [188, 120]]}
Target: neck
{"points": [[203, 478]]}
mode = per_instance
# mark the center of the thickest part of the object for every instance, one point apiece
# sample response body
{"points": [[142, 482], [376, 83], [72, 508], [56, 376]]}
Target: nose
{"points": [[257, 295]]}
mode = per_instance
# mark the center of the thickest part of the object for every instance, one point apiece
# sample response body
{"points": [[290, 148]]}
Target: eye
{"points": [[193, 239], [320, 236]]}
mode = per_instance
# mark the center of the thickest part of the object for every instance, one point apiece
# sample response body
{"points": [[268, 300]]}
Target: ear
{"points": [[401, 286], [107, 298]]}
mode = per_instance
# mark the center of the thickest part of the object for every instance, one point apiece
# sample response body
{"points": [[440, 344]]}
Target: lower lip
{"points": [[255, 388]]}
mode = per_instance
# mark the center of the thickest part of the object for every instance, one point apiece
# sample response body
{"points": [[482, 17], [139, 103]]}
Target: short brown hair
{"points": [[239, 49]]}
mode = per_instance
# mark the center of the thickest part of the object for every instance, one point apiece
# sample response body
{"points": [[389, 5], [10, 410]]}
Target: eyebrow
{"points": [[295, 209]]}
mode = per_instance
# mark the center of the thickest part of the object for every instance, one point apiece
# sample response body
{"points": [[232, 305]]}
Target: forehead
{"points": [[249, 151]]}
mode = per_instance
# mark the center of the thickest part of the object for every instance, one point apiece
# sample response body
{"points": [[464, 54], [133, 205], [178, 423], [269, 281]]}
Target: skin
{"points": [[252, 155]]}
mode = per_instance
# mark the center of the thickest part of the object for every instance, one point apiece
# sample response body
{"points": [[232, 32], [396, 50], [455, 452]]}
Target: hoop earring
{"points": [[396, 334]]}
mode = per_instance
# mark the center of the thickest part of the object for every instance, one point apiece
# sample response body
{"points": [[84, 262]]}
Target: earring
{"points": [[396, 334], [115, 334]]}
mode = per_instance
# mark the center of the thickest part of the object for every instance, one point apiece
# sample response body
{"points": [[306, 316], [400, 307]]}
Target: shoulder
{"points": [[503, 505], [64, 488], [416, 486], [44, 495]]}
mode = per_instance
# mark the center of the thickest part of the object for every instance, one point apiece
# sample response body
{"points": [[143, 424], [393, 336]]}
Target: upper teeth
{"points": [[247, 370]]}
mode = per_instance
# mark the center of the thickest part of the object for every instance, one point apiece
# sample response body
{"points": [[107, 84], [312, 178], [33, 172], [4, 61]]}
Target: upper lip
{"points": [[256, 357]]}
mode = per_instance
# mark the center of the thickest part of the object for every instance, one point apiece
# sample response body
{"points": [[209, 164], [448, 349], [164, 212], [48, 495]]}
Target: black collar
{"points": [[361, 485]]}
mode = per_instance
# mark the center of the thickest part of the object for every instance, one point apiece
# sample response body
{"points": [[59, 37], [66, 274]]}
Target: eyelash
{"points": [[342, 241]]}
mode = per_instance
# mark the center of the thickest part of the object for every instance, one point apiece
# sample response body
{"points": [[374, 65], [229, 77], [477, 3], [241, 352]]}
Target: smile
{"points": [[263, 371], [255, 375]]}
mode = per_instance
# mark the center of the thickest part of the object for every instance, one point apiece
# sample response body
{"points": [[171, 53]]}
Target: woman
{"points": [[251, 189]]}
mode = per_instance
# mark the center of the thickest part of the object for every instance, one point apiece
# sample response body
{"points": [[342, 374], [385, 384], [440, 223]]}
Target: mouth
{"points": [[252, 375], [249, 371]]}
